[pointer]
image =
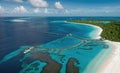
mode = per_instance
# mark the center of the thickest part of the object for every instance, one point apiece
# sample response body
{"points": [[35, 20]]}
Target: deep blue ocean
{"points": [[32, 31]]}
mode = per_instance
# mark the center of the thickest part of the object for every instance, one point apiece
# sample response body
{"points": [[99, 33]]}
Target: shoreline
{"points": [[96, 33], [112, 62]]}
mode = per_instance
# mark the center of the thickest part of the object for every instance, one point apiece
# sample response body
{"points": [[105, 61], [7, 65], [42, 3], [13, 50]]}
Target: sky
{"points": [[59, 7]]}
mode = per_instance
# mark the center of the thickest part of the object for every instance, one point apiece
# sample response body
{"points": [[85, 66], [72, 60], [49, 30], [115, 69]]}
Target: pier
{"points": [[69, 34], [83, 44]]}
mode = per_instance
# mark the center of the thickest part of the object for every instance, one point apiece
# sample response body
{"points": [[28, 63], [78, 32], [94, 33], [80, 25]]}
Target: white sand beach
{"points": [[107, 61], [96, 34], [112, 63]]}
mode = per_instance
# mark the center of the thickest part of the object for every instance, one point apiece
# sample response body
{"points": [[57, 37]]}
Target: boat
{"points": [[28, 50]]}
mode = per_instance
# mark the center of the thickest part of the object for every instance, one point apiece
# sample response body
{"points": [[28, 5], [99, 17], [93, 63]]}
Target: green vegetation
{"points": [[111, 29]]}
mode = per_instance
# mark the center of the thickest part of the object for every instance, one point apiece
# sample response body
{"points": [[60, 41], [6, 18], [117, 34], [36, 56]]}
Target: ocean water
{"points": [[47, 35]]}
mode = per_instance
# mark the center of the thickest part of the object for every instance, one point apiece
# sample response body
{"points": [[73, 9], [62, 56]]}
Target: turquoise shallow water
{"points": [[34, 67], [84, 52], [60, 49]]}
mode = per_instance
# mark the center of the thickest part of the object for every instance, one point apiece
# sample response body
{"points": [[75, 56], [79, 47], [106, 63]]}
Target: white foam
{"points": [[18, 20]]}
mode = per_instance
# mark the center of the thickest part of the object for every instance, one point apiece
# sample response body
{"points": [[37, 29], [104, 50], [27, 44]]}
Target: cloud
{"points": [[96, 11], [38, 3], [66, 11], [20, 10], [2, 10], [46, 10], [19, 1], [58, 5], [36, 10]]}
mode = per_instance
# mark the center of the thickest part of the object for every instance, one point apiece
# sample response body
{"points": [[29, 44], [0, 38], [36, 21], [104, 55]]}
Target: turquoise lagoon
{"points": [[61, 42]]}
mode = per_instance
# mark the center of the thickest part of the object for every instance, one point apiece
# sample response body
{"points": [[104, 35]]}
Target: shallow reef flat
{"points": [[65, 55]]}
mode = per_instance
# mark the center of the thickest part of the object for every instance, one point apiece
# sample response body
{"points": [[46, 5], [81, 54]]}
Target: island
{"points": [[111, 34], [111, 29]]}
